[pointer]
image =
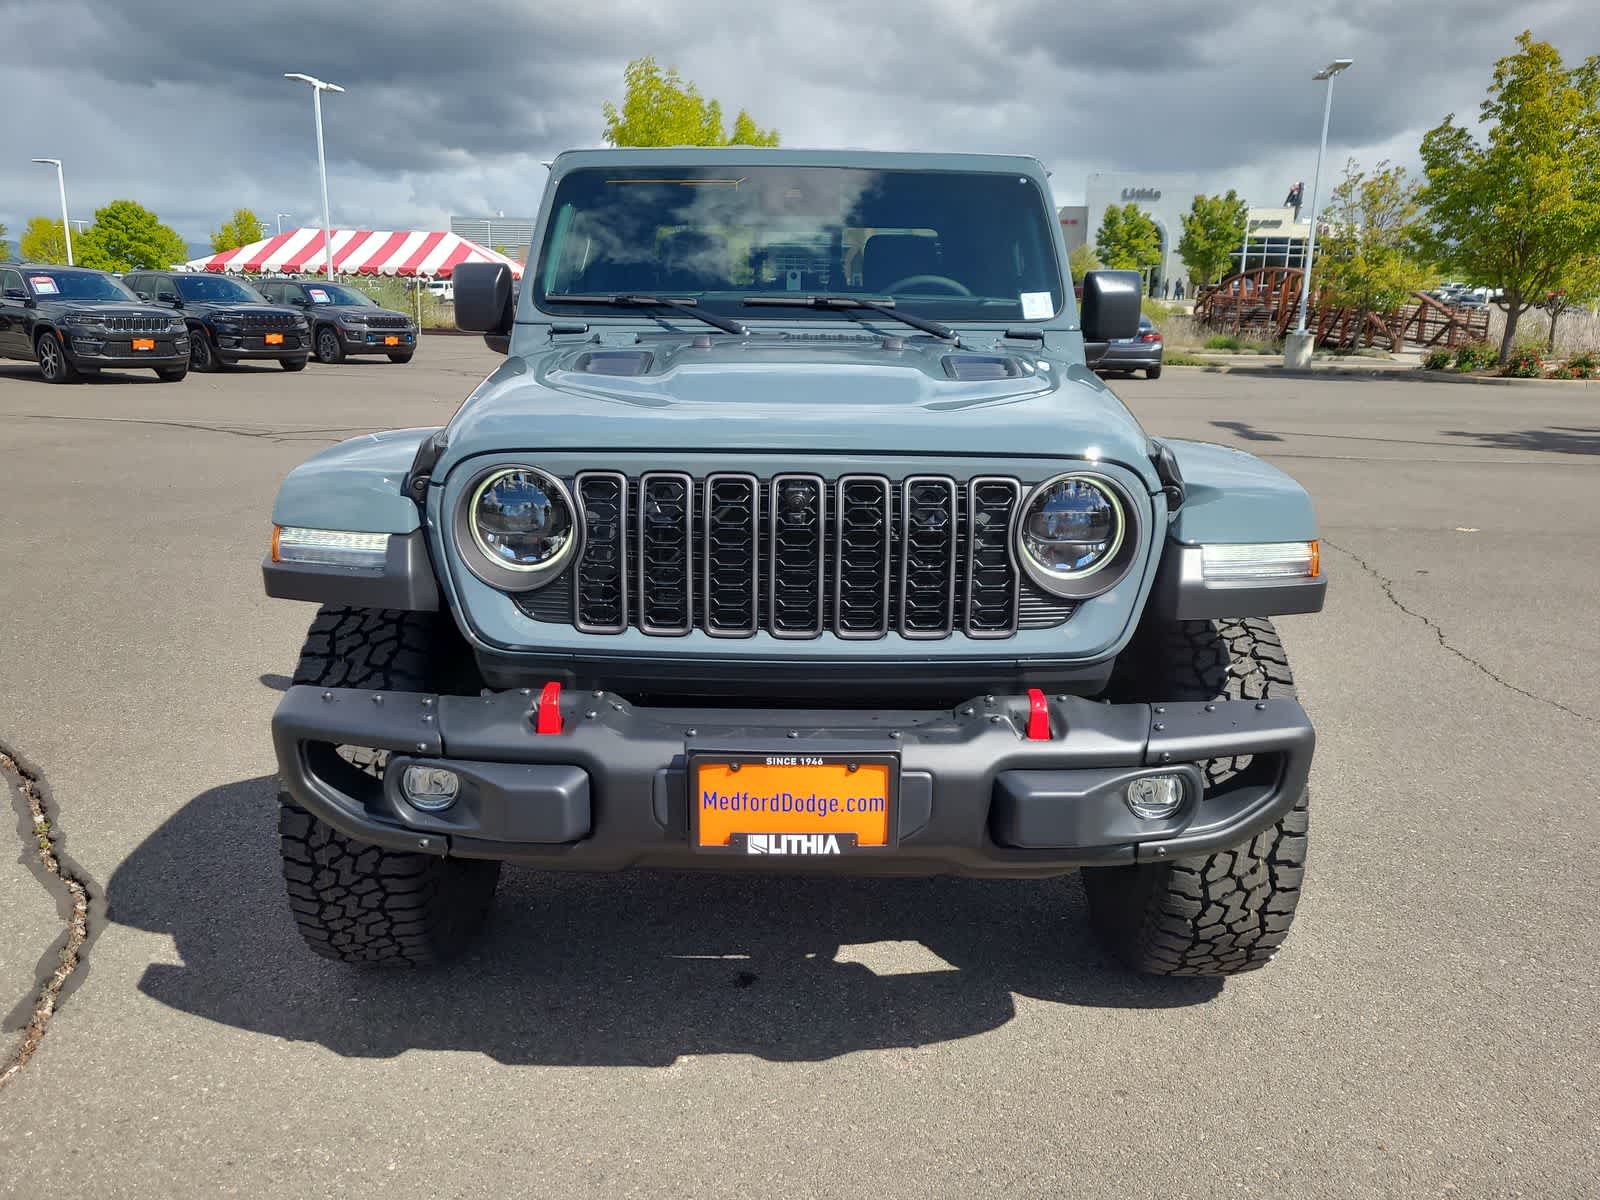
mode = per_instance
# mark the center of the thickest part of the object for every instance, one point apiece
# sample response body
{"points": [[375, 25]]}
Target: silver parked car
{"points": [[1142, 352]]}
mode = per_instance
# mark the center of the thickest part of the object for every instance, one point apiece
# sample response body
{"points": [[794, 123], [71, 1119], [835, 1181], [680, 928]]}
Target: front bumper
{"points": [[376, 341], [114, 351], [238, 346], [975, 795]]}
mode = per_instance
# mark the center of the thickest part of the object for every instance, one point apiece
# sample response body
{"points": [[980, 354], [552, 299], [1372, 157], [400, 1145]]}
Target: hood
{"points": [[243, 310], [830, 393], [110, 308], [345, 310]]}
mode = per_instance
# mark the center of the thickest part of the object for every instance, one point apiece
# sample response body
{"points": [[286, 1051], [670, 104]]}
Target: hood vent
{"points": [[976, 368], [614, 362]]}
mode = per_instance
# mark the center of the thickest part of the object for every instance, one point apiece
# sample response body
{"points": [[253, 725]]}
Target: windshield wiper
{"points": [[686, 306], [884, 306]]}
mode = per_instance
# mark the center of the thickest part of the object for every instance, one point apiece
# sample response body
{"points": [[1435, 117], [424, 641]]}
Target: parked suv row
{"points": [[74, 322]]}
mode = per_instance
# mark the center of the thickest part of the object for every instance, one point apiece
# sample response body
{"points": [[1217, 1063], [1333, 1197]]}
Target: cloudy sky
{"points": [[450, 107]]}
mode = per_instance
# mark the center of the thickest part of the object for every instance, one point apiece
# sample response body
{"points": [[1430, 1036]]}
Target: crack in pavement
{"points": [[267, 434], [59, 876], [1388, 590]]}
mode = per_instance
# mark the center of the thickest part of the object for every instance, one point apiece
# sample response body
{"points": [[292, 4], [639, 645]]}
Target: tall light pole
{"points": [[1300, 348], [280, 217], [61, 184], [318, 86]]}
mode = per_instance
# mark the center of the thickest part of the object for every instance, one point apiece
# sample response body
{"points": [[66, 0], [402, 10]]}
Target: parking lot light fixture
{"points": [[1325, 75], [61, 185], [280, 217], [318, 86]]}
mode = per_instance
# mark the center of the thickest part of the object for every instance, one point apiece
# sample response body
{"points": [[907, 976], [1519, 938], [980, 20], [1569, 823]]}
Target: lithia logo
{"points": [[1141, 193], [791, 843]]}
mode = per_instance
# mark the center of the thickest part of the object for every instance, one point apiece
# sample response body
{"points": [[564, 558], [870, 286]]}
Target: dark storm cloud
{"points": [[452, 107]]}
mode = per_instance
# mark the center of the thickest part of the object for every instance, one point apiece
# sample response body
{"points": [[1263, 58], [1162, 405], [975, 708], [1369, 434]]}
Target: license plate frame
{"points": [[142, 345], [778, 824], [273, 339]]}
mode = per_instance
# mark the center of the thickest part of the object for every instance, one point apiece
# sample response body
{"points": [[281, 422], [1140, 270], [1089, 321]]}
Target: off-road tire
{"points": [[353, 901], [1229, 911]]}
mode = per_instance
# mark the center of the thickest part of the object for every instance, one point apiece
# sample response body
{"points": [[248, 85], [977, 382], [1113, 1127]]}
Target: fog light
{"points": [[1154, 797], [432, 789]]}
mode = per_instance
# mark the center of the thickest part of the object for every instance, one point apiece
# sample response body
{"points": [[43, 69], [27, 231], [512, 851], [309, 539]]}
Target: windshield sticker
{"points": [[43, 284], [1037, 306], [318, 296]]}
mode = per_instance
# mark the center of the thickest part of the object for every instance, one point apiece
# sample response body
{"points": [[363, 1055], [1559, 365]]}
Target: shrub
{"points": [[1437, 360], [1173, 359], [1563, 372], [1222, 341], [1475, 356], [1155, 310], [1524, 363], [1584, 365]]}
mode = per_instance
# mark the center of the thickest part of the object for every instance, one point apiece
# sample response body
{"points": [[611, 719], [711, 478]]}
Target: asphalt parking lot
{"points": [[1430, 1029]]}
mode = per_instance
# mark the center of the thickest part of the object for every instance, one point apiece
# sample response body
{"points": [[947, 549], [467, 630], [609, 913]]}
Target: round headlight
{"points": [[1073, 527], [522, 520]]}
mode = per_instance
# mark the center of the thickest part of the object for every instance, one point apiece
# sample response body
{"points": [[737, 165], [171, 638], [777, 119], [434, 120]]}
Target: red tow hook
{"points": [[549, 709], [1038, 716]]}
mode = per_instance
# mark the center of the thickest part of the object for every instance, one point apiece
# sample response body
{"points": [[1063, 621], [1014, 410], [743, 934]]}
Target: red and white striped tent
{"points": [[434, 254]]}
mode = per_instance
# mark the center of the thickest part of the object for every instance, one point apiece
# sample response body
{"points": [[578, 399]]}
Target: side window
{"points": [[270, 291], [10, 281]]}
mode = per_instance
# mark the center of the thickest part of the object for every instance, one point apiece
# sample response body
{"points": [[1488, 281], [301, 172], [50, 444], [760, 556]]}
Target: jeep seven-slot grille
{"points": [[796, 556], [142, 324]]}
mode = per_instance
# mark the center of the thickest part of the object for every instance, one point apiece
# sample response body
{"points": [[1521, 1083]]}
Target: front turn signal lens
{"points": [[329, 547], [1261, 562]]}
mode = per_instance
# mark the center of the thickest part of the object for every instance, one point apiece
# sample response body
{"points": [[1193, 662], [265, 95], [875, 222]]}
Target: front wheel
{"points": [[401, 358], [292, 364], [53, 363], [328, 349], [353, 901], [202, 354], [172, 374], [1229, 911]]}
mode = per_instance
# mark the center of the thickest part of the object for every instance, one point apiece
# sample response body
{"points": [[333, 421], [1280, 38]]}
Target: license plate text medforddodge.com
{"points": [[793, 794]]}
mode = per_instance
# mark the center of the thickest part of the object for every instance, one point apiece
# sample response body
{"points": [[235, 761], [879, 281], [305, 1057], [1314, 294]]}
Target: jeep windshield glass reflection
{"points": [[76, 285], [947, 245], [215, 289]]}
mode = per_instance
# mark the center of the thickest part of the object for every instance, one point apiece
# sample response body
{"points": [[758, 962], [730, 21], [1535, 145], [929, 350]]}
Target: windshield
{"points": [[332, 293], [77, 285], [942, 244], [214, 289]]}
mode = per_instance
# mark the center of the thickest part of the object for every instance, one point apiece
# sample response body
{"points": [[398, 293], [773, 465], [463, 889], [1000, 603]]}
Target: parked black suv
{"points": [[228, 319], [73, 322], [345, 320]]}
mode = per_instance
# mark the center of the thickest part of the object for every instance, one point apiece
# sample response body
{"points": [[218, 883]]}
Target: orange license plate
{"points": [[791, 804], [391, 341], [144, 343], [274, 339]]}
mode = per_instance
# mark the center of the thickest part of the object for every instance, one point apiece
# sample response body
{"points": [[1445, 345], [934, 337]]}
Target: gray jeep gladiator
{"points": [[795, 533]]}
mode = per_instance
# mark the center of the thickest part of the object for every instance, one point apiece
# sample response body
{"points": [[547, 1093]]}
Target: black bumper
{"points": [[115, 354], [374, 341], [244, 347], [975, 796]]}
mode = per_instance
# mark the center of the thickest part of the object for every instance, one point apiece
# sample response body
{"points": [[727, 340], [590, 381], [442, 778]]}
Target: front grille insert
{"points": [[796, 556], [928, 557], [139, 324], [797, 541], [730, 541], [666, 554]]}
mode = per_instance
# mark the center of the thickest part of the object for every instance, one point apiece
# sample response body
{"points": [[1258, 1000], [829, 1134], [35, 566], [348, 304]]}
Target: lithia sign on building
{"points": [[1141, 193]]}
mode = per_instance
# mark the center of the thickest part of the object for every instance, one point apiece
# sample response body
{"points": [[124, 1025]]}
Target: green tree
{"points": [[242, 229], [1081, 261], [1128, 239], [660, 108], [1213, 229], [1578, 287], [43, 241], [1514, 210], [1366, 259], [126, 236], [5, 246]]}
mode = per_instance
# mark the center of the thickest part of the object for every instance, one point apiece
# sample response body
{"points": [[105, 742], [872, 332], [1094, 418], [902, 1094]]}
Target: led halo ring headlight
{"points": [[517, 527], [1076, 534]]}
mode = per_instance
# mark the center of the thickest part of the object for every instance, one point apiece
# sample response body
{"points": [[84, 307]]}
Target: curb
{"points": [[1400, 374]]}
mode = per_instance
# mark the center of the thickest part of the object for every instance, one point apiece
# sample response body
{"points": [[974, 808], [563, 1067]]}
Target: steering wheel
{"points": [[943, 281]]}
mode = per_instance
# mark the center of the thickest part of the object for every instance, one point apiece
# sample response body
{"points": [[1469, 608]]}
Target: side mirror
{"points": [[484, 299], [1111, 305], [169, 298], [16, 294], [299, 302], [141, 295]]}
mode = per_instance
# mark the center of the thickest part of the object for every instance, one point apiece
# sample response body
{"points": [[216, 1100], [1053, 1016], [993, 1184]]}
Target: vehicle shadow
{"points": [[28, 373], [1557, 439], [630, 969]]}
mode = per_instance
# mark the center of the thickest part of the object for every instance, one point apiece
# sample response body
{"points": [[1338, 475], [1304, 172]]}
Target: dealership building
{"points": [[1277, 238]]}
